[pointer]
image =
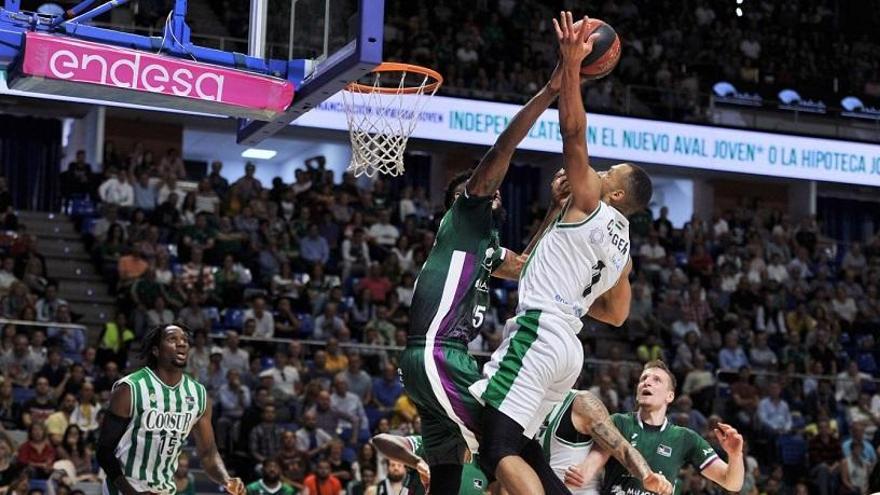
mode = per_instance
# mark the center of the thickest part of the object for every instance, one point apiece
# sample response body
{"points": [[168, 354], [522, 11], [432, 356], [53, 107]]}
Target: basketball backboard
{"points": [[297, 54]]}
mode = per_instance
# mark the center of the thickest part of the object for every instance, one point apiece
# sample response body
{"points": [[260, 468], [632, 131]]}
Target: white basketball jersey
{"points": [[575, 263], [564, 454]]}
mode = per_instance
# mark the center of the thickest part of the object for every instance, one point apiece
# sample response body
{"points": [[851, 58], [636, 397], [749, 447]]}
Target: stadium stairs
{"points": [[68, 263]]}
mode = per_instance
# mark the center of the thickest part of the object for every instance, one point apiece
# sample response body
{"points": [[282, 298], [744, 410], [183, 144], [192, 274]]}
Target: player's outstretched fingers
{"points": [[574, 477]]}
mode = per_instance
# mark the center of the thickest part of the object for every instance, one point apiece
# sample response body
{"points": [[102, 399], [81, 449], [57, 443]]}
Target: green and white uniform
{"points": [[666, 448], [541, 357], [260, 488], [473, 481], [560, 452], [161, 420], [449, 304]]}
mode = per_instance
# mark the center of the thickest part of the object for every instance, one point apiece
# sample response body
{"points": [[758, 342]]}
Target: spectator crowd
{"points": [[297, 292]]}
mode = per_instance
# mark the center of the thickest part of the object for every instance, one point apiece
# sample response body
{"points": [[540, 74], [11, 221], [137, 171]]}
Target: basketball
{"points": [[606, 50]]}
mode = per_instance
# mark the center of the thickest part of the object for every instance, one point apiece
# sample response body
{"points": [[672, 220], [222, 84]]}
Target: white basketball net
{"points": [[380, 123]]}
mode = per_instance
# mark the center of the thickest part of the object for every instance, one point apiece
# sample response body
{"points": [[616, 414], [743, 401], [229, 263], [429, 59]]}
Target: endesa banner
{"points": [[629, 139], [70, 67]]}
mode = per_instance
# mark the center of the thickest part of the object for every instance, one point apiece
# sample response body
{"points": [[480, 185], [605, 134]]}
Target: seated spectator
{"points": [[172, 165], [116, 190], [197, 275], [200, 234], [131, 265], [193, 316], [854, 470], [21, 362], [73, 448], [105, 381], [825, 456], [761, 356], [58, 421], [353, 420], [310, 439], [773, 413], [115, 340], [265, 439], [71, 340], [230, 281], [323, 481], [861, 414], [328, 324], [159, 314], [10, 409], [7, 275], [336, 360], [37, 453], [55, 370], [381, 324], [822, 352], [383, 233], [386, 389], [85, 414], [270, 483], [171, 193], [732, 357], [47, 306], [314, 248], [214, 376], [235, 398], [376, 282], [265, 322], [233, 356], [355, 255], [145, 193], [184, 481]]}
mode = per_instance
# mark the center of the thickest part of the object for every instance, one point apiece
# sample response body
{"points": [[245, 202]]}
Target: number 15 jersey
{"points": [[575, 263]]}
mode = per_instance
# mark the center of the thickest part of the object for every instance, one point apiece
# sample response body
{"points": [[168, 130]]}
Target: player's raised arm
{"points": [[493, 166], [729, 475], [206, 447], [112, 430], [574, 46]]}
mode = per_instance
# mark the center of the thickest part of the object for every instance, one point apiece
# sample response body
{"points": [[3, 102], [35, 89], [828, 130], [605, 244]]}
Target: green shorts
{"points": [[436, 377]]}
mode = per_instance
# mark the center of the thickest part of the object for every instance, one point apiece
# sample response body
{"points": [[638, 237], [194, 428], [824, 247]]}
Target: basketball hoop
{"points": [[382, 114]]}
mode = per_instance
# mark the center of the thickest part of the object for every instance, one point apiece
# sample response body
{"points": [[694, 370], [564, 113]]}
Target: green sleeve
{"points": [[470, 213], [700, 453], [621, 422]]}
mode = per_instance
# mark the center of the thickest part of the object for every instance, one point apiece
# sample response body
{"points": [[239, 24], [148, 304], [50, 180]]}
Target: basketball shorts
{"points": [[436, 376], [536, 365]]}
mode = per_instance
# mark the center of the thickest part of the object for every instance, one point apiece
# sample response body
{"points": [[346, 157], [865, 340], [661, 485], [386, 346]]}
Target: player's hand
{"points": [[657, 483], [730, 439], [574, 477], [574, 43], [560, 188], [424, 475], [235, 486]]}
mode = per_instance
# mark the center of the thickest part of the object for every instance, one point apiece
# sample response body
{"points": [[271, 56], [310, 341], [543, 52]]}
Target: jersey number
{"points": [[168, 445], [597, 275], [479, 315]]}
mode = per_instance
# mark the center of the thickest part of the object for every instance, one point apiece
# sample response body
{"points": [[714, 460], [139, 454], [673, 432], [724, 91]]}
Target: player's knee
{"points": [[587, 411]]}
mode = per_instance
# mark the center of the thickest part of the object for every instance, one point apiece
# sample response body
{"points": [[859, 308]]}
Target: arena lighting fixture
{"points": [[739, 12], [739, 2], [258, 154]]}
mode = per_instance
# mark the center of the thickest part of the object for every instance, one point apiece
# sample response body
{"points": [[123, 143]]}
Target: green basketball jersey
{"points": [[667, 449], [260, 488], [161, 420], [452, 291], [473, 481]]}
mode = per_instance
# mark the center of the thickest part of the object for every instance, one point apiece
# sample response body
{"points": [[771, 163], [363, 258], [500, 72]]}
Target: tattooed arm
{"points": [[590, 417], [493, 167]]}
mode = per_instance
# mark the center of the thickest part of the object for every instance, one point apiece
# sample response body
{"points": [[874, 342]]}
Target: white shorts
{"points": [[536, 365]]}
